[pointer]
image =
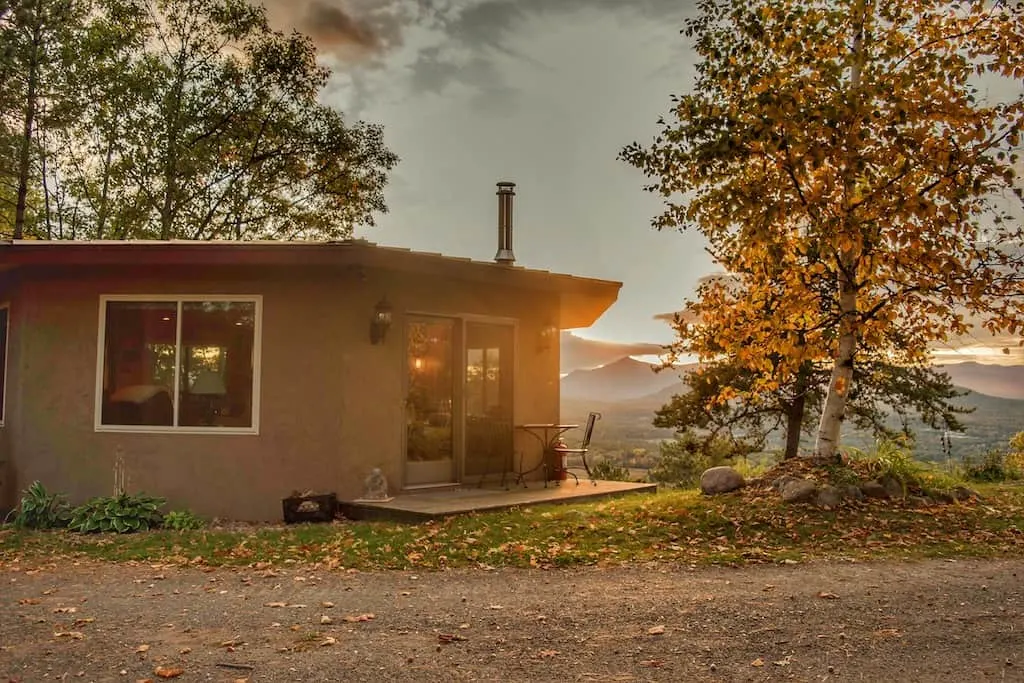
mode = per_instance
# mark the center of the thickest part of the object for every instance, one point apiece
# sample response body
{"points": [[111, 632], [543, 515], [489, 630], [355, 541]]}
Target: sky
{"points": [[543, 93]]}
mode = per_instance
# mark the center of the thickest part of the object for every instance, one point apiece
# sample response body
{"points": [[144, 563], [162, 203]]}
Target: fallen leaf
{"points": [[828, 596], [234, 642], [142, 648], [275, 604], [757, 662], [785, 661], [449, 637], [328, 640], [82, 621], [360, 617], [28, 601], [547, 653], [326, 619], [168, 671], [184, 650], [327, 603], [74, 635], [653, 663], [656, 630]]}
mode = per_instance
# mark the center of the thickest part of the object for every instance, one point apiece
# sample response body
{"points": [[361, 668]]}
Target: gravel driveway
{"points": [[922, 621]]}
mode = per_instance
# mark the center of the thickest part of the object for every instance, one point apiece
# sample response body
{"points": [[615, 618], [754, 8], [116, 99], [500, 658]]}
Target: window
{"points": [[183, 362], [5, 311]]}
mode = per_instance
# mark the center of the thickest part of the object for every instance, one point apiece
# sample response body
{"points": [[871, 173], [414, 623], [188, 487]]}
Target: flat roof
{"points": [[583, 299]]}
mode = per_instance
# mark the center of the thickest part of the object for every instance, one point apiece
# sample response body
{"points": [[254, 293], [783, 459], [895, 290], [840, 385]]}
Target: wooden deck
{"points": [[425, 505]]}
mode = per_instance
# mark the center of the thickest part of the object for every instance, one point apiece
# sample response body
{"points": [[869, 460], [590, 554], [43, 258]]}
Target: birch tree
{"points": [[849, 141]]}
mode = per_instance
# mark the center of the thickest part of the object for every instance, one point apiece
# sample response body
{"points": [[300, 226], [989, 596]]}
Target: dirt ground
{"points": [[923, 621]]}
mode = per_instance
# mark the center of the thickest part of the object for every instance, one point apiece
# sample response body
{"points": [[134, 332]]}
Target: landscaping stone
{"points": [[942, 497], [873, 489], [780, 483], [851, 492], [721, 479], [964, 493], [799, 491], [893, 486], [829, 497]]}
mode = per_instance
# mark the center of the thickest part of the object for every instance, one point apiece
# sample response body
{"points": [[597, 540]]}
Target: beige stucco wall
{"points": [[331, 404]]}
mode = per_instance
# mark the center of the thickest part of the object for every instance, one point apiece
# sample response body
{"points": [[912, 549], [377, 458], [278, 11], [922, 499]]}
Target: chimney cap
{"points": [[503, 184]]}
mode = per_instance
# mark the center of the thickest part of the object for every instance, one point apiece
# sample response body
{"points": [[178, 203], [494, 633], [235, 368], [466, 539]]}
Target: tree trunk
{"points": [[827, 445], [25, 151], [795, 414], [101, 213]]}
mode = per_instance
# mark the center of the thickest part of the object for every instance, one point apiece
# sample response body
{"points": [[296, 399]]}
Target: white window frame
{"points": [[6, 305], [180, 299]]}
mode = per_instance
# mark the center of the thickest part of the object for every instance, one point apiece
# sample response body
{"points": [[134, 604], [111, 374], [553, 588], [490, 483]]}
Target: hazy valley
{"points": [[627, 392]]}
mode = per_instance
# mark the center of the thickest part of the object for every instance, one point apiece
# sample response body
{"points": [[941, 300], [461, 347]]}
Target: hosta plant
{"points": [[123, 513], [40, 509]]}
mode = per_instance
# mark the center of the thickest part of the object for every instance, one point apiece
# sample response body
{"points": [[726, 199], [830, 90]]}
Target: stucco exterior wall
{"points": [[331, 404]]}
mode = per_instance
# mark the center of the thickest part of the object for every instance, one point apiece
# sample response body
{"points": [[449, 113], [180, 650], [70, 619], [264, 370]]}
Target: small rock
{"points": [[893, 486], [799, 491], [720, 480], [964, 493], [920, 501], [851, 492], [872, 489], [828, 497], [780, 483]]}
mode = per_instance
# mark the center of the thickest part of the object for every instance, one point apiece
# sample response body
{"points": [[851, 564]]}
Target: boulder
{"points": [[720, 480], [873, 489], [828, 497], [799, 491]]}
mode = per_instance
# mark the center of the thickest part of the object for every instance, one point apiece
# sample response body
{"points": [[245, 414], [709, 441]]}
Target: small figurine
{"points": [[376, 486]]}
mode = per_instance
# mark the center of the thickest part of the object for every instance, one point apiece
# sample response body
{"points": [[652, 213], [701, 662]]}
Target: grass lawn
{"points": [[672, 526]]}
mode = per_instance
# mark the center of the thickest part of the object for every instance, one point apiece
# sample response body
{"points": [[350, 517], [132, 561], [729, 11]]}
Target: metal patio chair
{"points": [[584, 446]]}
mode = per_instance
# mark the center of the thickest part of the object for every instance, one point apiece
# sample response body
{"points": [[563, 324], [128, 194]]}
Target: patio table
{"points": [[547, 434]]}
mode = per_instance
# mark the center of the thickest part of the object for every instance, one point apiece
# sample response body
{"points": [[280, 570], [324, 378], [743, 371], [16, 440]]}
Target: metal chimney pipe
{"points": [[506, 191]]}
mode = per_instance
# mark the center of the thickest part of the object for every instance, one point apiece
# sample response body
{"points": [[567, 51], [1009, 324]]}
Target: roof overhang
{"points": [[582, 300]]}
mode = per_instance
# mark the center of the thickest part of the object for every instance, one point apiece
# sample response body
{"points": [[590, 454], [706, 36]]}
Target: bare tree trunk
{"points": [[101, 211], [25, 152], [795, 414]]}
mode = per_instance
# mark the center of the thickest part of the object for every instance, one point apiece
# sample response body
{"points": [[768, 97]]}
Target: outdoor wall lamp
{"points": [[548, 336], [381, 321]]}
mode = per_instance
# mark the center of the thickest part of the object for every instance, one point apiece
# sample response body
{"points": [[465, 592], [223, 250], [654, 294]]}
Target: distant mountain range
{"points": [[628, 391], [629, 379]]}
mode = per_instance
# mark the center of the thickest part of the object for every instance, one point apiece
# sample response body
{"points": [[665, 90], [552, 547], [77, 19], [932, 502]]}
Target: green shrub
{"points": [[606, 470], [40, 509], [995, 466], [122, 514], [683, 460], [182, 520]]}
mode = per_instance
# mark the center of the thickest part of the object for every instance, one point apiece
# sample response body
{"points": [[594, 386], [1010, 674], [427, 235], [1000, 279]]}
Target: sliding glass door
{"points": [[488, 398]]}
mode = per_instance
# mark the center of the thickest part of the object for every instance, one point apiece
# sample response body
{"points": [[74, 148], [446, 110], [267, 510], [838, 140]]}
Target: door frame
{"points": [[459, 386]]}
